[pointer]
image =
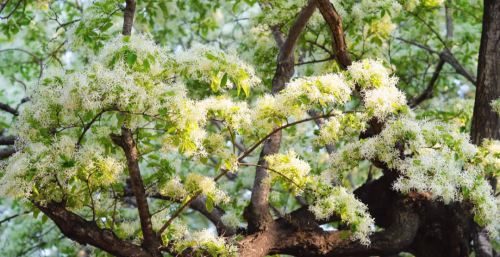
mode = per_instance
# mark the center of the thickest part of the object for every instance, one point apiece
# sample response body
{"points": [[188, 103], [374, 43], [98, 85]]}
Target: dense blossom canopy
{"points": [[197, 117]]}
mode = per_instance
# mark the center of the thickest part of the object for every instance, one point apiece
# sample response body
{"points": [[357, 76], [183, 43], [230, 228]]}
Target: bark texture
{"points": [[485, 122]]}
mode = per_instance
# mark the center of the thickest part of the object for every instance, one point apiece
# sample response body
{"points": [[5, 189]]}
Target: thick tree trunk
{"points": [[485, 122]]}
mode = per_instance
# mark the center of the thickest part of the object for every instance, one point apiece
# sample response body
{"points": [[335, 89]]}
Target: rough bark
{"points": [[85, 232], [128, 17], [336, 33], [7, 140], [126, 142], [485, 122], [7, 152], [7, 108]]}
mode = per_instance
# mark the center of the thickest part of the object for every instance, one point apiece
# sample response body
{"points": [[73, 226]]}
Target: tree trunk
{"points": [[486, 122]]}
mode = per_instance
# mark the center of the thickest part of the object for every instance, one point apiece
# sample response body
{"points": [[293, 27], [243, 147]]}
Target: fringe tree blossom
{"points": [[431, 157], [66, 152]]}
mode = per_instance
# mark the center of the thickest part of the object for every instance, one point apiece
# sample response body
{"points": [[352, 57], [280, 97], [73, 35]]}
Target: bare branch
{"points": [[417, 44], [12, 217], [7, 152], [9, 109], [7, 140], [336, 33], [87, 232], [430, 87], [316, 61], [15, 9], [447, 57]]}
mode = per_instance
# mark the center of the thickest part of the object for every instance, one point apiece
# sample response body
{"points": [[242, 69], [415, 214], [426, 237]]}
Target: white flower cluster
{"points": [[381, 96], [495, 104], [299, 96], [288, 169], [338, 124], [195, 182], [204, 240], [432, 157], [490, 156], [128, 83], [231, 219], [337, 201], [356, 11], [328, 201]]}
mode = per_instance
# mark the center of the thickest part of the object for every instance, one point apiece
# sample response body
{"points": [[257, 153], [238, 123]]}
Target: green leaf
{"points": [[44, 218], [121, 118], [69, 164], [163, 7], [322, 102], [223, 81], [215, 83], [246, 88], [35, 213], [345, 234], [146, 65], [131, 59], [152, 58], [209, 204], [163, 111], [465, 191], [217, 167], [36, 190], [126, 39], [107, 26]]}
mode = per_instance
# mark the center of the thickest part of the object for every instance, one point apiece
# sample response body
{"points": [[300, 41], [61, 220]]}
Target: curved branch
{"points": [[430, 87], [9, 109], [336, 33], [7, 152], [395, 239], [87, 232]]}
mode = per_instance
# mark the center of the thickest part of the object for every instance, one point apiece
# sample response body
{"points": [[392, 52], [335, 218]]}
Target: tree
{"points": [[119, 145]]}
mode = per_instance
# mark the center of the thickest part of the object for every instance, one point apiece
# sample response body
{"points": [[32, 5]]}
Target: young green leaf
{"points": [[209, 204], [131, 58]]}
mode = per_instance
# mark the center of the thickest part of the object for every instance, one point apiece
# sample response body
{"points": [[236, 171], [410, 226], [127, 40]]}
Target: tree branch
{"points": [[126, 142], [336, 33], [330, 243], [430, 87], [87, 232], [7, 140], [447, 57], [7, 152], [15, 8], [257, 212], [128, 17], [9, 109]]}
